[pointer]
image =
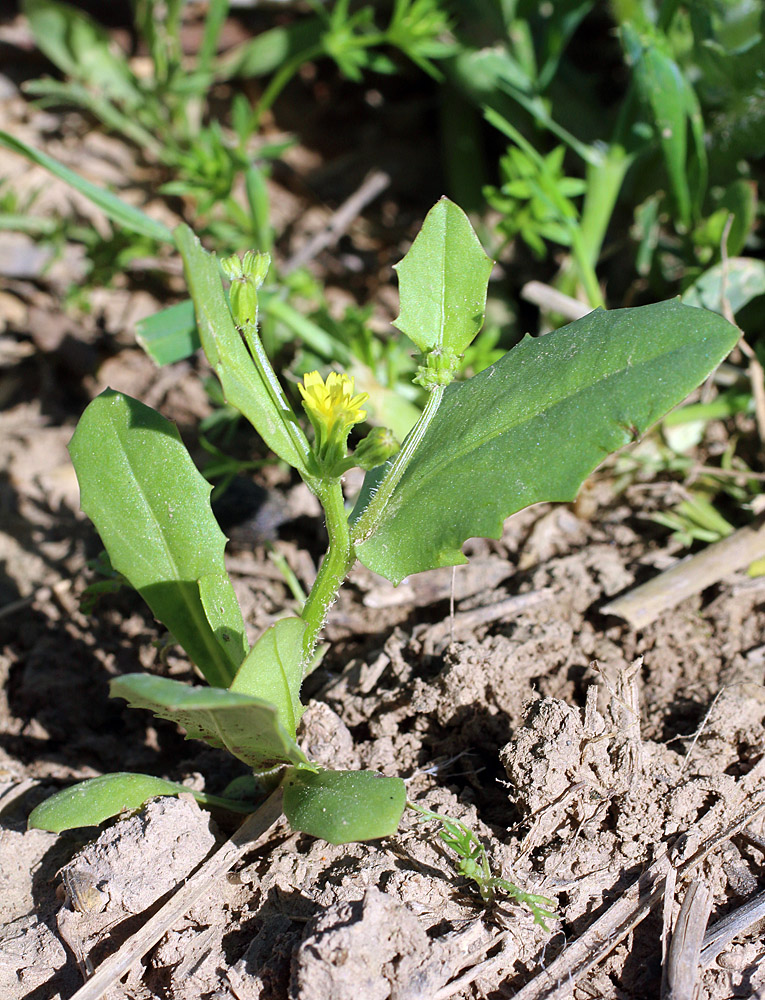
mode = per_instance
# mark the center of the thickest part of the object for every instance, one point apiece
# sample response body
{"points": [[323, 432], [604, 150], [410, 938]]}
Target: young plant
{"points": [[529, 428]]}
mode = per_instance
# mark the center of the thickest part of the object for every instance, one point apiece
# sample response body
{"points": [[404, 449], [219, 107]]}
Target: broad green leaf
{"points": [[130, 218], [531, 427], [152, 510], [249, 728], [91, 802], [443, 281], [79, 47], [740, 280], [273, 670], [222, 611], [170, 335], [343, 806], [242, 384]]}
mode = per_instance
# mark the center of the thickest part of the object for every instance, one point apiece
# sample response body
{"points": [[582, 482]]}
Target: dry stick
{"points": [[702, 727], [374, 183], [645, 603], [201, 882], [730, 926], [550, 299], [558, 979], [683, 961], [489, 613], [713, 470]]}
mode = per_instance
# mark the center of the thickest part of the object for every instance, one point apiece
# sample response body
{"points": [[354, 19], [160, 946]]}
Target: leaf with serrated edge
{"points": [[531, 427], [249, 728], [273, 670], [342, 807], [442, 282], [152, 510]]}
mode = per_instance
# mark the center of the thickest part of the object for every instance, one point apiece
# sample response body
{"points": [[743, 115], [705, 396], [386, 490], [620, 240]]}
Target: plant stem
{"points": [[372, 514], [337, 563]]}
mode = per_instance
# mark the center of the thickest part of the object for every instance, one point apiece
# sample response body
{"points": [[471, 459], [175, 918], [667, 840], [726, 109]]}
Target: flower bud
{"points": [[439, 369], [376, 448], [246, 277]]}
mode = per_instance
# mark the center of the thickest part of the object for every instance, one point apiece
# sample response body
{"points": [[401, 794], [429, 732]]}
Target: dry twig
{"points": [[645, 603], [373, 185]]}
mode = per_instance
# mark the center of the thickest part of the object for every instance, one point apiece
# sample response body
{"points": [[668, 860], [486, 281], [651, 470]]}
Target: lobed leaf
{"points": [[532, 426], [249, 728], [343, 806], [151, 507], [443, 281]]}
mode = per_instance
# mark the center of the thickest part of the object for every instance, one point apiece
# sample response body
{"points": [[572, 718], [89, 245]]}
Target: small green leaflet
{"points": [[442, 282]]}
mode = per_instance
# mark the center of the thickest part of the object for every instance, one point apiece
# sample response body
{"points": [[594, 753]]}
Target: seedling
{"points": [[529, 428], [473, 864]]}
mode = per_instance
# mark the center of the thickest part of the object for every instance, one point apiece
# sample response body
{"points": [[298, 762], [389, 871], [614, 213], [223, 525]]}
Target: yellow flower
{"points": [[332, 404], [332, 409]]}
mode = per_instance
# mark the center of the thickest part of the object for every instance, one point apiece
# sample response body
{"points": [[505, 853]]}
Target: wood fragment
{"points": [[720, 934], [682, 967], [644, 604], [373, 185], [556, 982], [201, 882], [551, 300]]}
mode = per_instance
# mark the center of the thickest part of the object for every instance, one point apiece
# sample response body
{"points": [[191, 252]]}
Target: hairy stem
{"points": [[373, 513], [337, 563]]}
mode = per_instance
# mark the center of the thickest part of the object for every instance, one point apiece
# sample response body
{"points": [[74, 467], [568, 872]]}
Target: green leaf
{"points": [[222, 612], [242, 384], [80, 48], [674, 107], [130, 218], [273, 670], [91, 802], [152, 510], [443, 281], [531, 427], [249, 728], [343, 806], [170, 335], [741, 279]]}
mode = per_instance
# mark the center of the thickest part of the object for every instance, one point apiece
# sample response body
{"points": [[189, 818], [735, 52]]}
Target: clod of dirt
{"points": [[374, 948], [30, 955], [129, 867], [326, 739]]}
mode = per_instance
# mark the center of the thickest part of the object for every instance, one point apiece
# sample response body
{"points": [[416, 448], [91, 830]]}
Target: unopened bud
{"points": [[376, 448], [439, 369], [246, 277]]}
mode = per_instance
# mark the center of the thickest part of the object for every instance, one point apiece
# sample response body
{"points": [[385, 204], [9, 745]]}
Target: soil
{"points": [[578, 750]]}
